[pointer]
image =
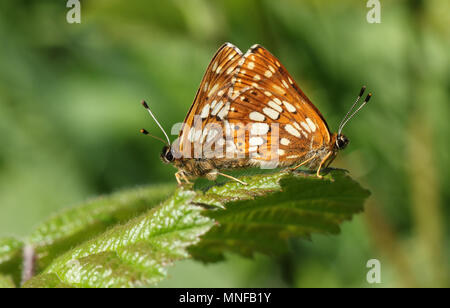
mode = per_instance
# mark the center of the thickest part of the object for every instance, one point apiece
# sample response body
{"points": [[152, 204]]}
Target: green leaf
{"points": [[11, 259], [262, 216], [78, 224], [46, 281], [114, 248], [134, 254]]}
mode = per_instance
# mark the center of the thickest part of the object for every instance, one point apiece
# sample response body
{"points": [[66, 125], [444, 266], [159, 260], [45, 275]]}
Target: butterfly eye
{"points": [[169, 156], [342, 142], [166, 154]]}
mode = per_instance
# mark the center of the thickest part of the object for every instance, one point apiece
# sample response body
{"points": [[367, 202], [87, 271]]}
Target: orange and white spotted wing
{"points": [[266, 94], [240, 101], [217, 77]]}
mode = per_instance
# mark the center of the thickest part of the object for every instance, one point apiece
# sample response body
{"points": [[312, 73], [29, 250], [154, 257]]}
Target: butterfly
{"points": [[249, 112]]}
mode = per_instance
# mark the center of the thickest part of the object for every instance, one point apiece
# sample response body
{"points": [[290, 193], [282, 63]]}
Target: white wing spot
{"points": [[257, 77], [230, 70], [291, 130], [214, 67], [256, 116], [305, 126], [251, 65], [311, 124], [224, 112], [289, 107], [267, 93], [213, 89], [290, 80], [205, 88], [285, 84], [276, 100], [285, 141], [272, 69], [280, 152], [274, 115], [275, 106], [268, 74], [205, 111], [217, 108], [259, 129]]}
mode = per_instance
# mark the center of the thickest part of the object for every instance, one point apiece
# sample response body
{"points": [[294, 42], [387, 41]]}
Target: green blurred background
{"points": [[70, 115]]}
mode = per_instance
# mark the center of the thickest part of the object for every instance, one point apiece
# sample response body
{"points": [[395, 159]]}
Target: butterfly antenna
{"points": [[159, 125], [361, 92], [145, 132], [347, 116]]}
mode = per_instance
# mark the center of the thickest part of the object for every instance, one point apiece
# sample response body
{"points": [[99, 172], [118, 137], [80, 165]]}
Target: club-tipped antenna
{"points": [[145, 132], [159, 125], [351, 114], [361, 92]]}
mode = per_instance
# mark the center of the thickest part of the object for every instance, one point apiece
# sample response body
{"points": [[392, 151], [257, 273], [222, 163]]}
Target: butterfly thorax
{"points": [[323, 155], [327, 153]]}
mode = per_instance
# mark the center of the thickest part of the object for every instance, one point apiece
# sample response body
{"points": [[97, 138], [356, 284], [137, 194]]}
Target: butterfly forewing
{"points": [[244, 103], [217, 78]]}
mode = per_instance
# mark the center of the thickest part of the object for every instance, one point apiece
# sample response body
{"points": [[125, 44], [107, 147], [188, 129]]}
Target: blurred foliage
{"points": [[69, 116]]}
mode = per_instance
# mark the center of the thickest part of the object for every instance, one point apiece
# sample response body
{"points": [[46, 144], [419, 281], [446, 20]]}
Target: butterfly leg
{"points": [[177, 177], [213, 175], [180, 175], [303, 163], [232, 178], [321, 164]]}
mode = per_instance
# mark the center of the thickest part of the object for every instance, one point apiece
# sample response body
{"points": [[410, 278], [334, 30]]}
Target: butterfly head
{"points": [[341, 142], [166, 154]]}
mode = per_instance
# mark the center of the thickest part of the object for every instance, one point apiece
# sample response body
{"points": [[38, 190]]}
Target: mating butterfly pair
{"points": [[248, 111]]}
